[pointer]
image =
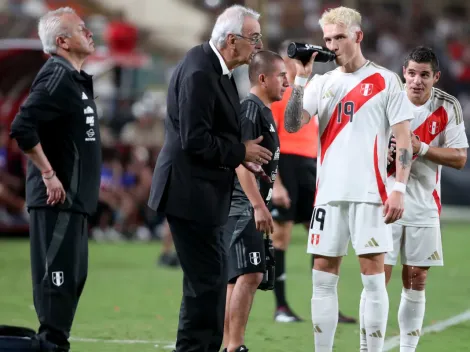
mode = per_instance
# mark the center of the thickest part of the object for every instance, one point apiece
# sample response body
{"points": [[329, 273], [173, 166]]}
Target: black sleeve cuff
{"points": [[238, 155], [26, 143]]}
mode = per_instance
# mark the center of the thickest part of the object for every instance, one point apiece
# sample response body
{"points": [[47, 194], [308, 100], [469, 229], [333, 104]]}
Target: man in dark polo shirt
{"points": [[249, 217]]}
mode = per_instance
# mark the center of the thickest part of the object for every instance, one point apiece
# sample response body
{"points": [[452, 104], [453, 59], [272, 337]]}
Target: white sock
{"points": [[324, 309], [375, 310], [362, 328], [410, 318]]}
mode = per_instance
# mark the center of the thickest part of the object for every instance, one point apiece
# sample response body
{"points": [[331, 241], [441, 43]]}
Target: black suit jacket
{"points": [[193, 177]]}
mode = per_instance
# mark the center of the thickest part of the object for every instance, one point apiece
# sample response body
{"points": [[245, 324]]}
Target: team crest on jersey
{"points": [[366, 89], [434, 127]]}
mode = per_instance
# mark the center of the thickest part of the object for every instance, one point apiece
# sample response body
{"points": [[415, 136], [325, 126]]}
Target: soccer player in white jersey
{"points": [[357, 104], [439, 139]]}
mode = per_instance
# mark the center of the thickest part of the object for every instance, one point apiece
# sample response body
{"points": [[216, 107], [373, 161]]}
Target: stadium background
{"points": [[130, 301]]}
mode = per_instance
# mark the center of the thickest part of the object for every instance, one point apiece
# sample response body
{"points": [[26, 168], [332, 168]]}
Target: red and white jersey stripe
{"points": [[355, 114]]}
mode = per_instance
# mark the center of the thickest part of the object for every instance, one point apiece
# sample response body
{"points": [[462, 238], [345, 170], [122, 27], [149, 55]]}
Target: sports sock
{"points": [[280, 272], [375, 310], [362, 328], [410, 318], [324, 309]]}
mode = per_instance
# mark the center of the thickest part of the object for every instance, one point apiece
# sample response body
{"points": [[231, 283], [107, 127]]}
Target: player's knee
{"points": [[251, 280], [415, 277], [372, 264], [282, 234], [327, 264]]}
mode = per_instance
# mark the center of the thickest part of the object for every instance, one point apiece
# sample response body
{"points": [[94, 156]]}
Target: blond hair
{"points": [[345, 16]]}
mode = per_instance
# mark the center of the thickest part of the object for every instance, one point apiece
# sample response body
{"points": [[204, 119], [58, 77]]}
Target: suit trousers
{"points": [[203, 254], [59, 265]]}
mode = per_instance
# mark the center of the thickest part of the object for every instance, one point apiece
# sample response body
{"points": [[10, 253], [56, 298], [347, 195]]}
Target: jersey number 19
{"points": [[346, 108]]}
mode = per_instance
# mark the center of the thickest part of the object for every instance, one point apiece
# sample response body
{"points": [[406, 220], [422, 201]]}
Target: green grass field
{"points": [[127, 297]]}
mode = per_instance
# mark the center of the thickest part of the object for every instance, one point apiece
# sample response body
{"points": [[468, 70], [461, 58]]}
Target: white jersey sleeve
{"points": [[311, 95], [454, 134], [399, 107]]}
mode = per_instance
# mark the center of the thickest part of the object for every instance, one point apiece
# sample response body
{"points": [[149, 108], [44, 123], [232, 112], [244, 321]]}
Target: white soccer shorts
{"points": [[335, 224], [418, 246]]}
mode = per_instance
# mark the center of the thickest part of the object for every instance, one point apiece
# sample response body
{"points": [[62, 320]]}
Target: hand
{"points": [[394, 207], [263, 219], [55, 190], [415, 143], [280, 196], [256, 153], [391, 150], [305, 70], [258, 171]]}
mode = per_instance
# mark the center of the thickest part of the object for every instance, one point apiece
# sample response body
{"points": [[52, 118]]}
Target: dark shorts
{"points": [[246, 254], [299, 176]]}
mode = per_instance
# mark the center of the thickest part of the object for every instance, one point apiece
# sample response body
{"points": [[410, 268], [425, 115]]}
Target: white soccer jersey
{"points": [[355, 112], [439, 123]]}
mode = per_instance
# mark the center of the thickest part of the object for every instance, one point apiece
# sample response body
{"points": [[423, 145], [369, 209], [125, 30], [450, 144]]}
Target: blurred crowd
{"points": [[132, 126]]}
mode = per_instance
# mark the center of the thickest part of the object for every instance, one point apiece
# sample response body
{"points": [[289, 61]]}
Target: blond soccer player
{"points": [[358, 104]]}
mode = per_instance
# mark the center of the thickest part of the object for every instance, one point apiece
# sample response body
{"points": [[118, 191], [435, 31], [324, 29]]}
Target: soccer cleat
{"points": [[346, 320], [242, 348], [285, 315]]}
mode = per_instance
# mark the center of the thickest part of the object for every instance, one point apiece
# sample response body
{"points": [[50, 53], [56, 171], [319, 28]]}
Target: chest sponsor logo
{"points": [[274, 175], [270, 195], [90, 120], [90, 135], [277, 154]]}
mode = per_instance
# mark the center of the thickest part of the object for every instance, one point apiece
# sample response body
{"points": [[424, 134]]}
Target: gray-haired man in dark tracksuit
{"points": [[57, 128]]}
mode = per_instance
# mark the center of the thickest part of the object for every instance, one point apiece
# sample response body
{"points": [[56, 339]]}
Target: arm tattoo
{"points": [[405, 158], [294, 110]]}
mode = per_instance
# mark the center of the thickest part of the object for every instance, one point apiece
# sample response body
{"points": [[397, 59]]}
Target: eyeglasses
{"points": [[252, 40]]}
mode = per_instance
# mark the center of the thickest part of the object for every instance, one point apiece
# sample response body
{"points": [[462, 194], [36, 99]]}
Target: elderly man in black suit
{"points": [[194, 175]]}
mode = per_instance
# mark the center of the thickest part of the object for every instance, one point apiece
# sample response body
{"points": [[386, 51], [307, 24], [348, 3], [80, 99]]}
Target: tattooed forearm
{"points": [[294, 110], [404, 158]]}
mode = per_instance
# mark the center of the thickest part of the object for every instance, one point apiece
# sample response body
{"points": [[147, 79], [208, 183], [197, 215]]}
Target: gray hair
{"points": [[230, 22], [50, 27]]}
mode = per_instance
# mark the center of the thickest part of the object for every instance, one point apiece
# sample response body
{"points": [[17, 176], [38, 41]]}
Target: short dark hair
{"points": [[262, 63], [423, 55]]}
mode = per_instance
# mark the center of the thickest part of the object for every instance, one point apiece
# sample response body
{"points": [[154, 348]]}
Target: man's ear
{"points": [[62, 43], [231, 39], [262, 79], [359, 36]]}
